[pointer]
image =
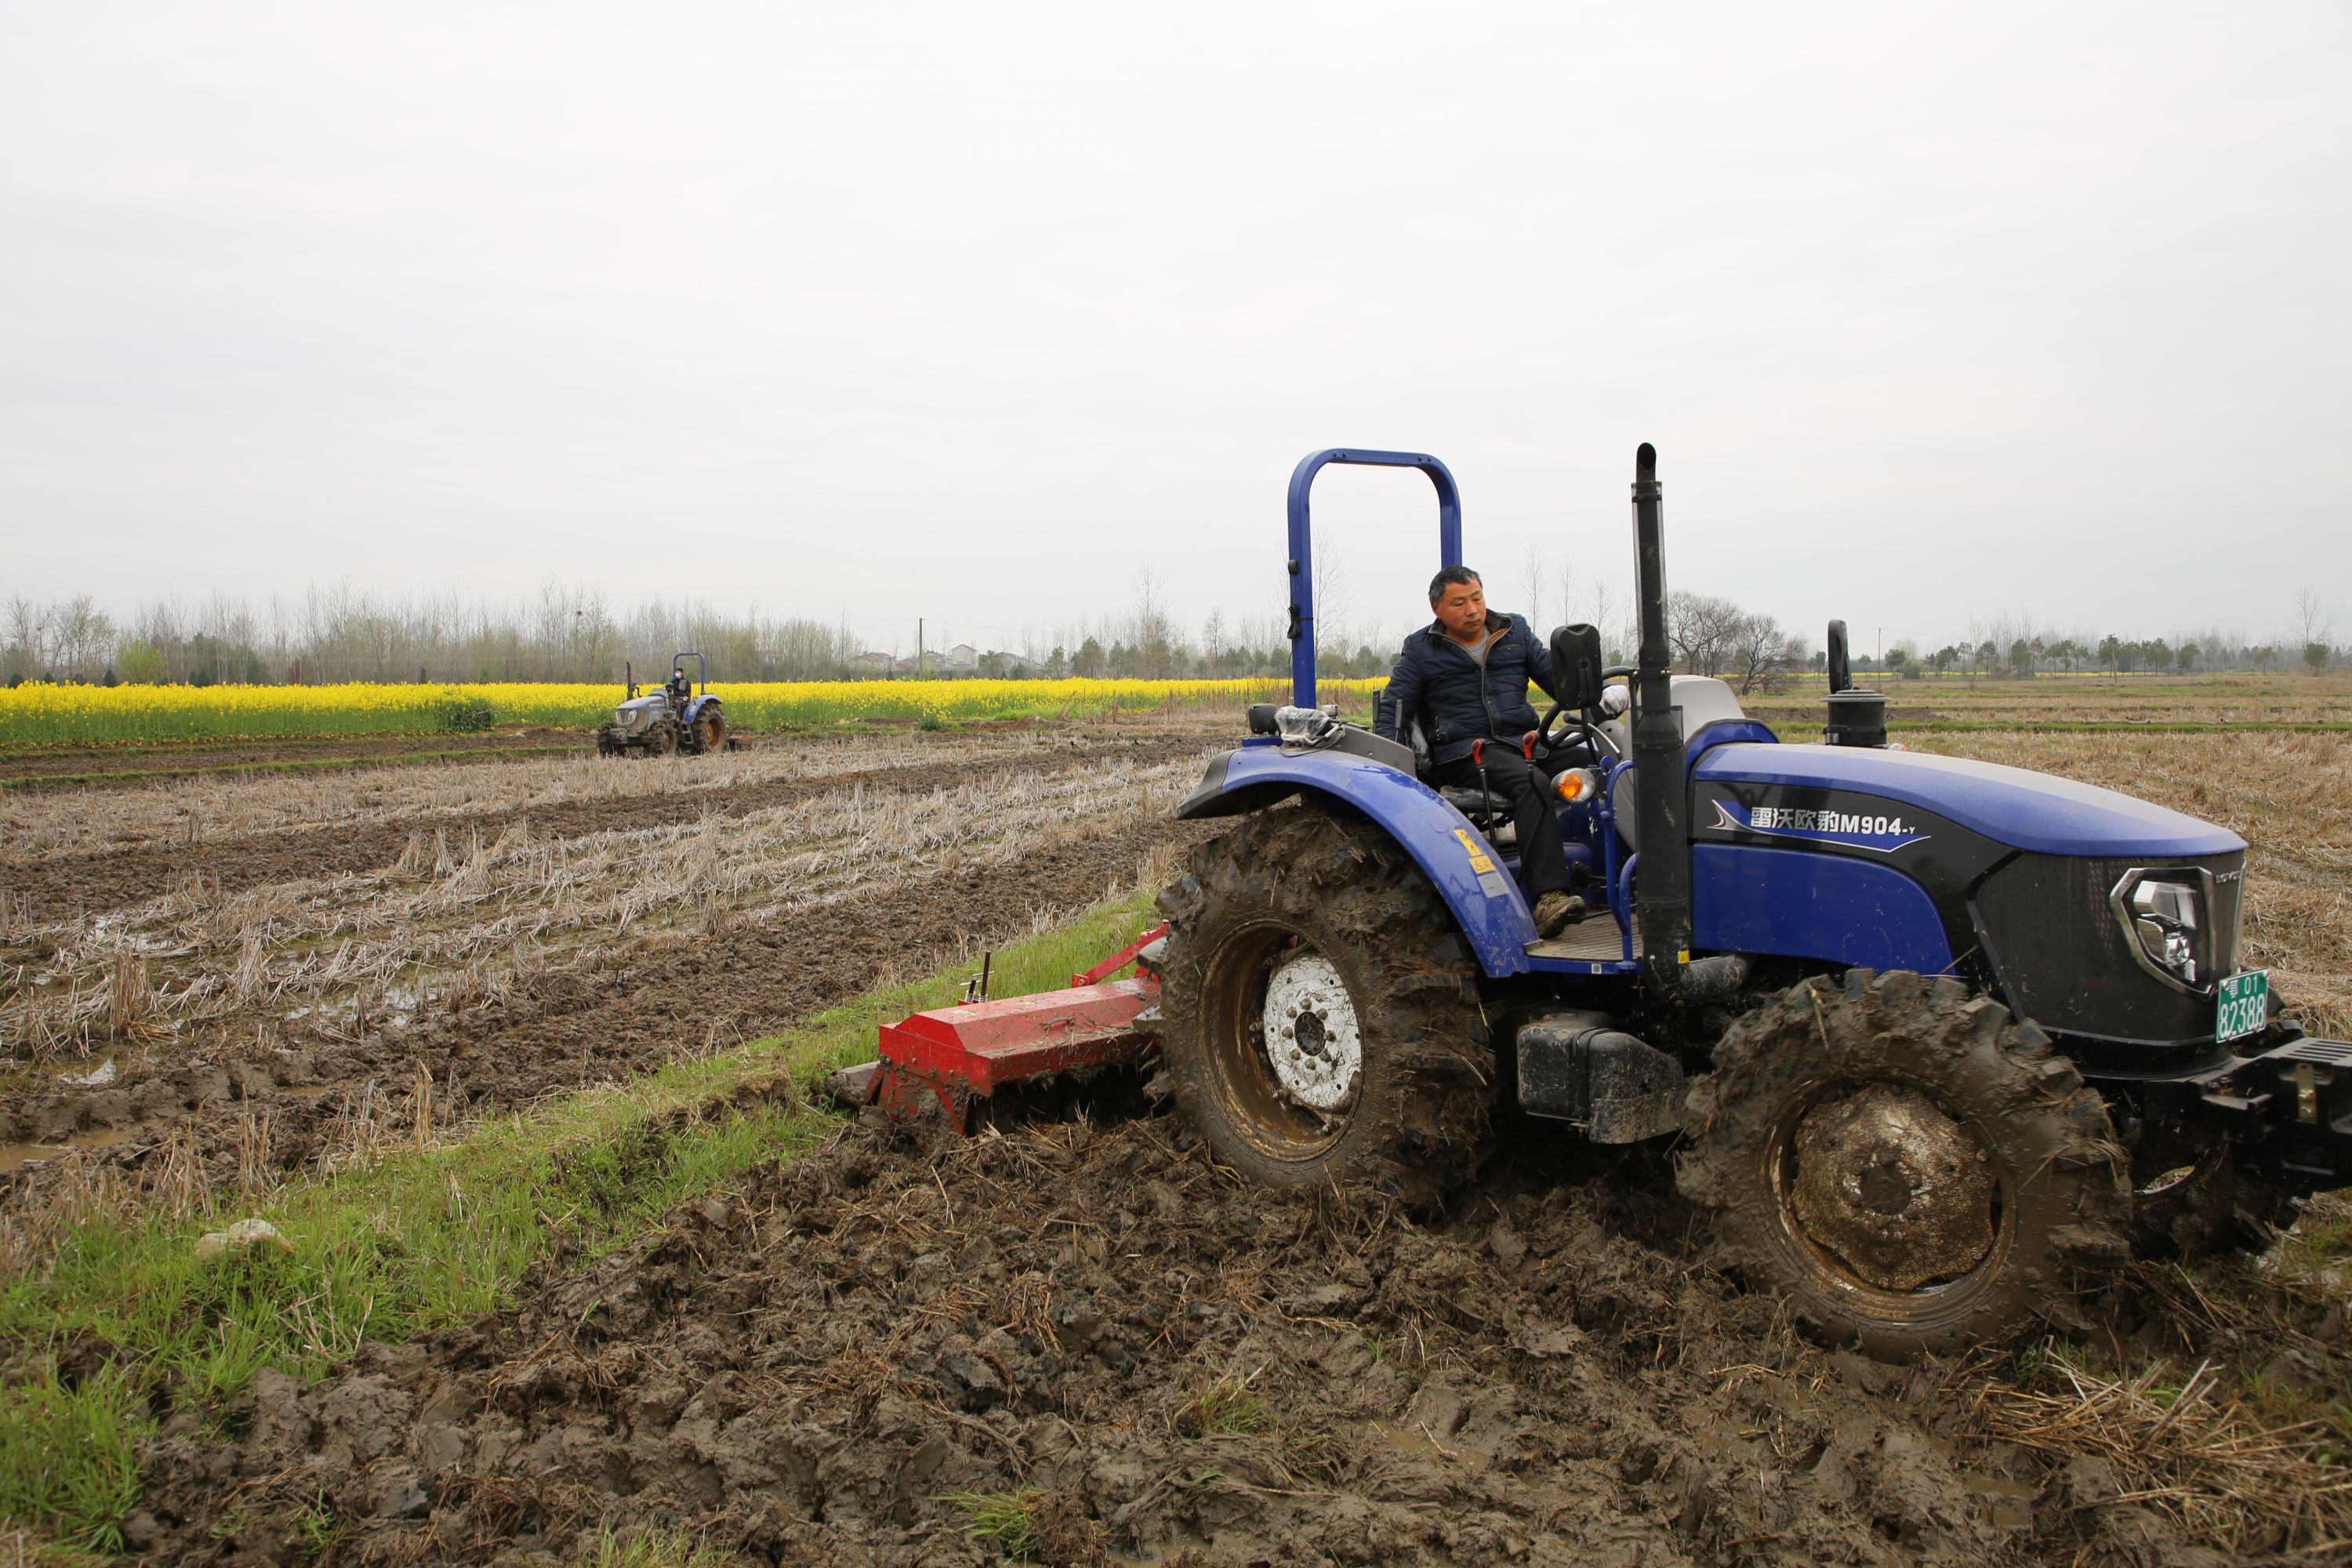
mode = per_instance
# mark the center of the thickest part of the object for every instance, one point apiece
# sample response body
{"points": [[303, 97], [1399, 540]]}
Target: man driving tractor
{"points": [[1464, 677]]}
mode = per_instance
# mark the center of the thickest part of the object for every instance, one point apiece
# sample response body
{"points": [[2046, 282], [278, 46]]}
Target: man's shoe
{"points": [[1556, 911]]}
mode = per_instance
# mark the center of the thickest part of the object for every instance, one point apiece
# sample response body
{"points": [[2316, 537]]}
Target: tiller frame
{"points": [[937, 1069]]}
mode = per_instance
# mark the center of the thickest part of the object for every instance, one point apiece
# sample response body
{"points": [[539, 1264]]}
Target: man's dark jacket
{"points": [[1439, 682]]}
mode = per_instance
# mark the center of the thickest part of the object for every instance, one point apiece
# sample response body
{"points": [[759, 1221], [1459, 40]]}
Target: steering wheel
{"points": [[1550, 734], [1554, 735]]}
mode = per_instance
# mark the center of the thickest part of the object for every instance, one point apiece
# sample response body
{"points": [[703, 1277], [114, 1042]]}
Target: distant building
{"points": [[961, 659]]}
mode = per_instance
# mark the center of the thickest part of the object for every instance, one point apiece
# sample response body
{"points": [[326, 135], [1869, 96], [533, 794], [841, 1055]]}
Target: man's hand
{"points": [[1615, 700]]}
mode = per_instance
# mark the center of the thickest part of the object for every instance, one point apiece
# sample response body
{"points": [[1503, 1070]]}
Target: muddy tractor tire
{"points": [[1910, 1170], [608, 741], [709, 728], [1321, 1011], [2189, 1199], [662, 738]]}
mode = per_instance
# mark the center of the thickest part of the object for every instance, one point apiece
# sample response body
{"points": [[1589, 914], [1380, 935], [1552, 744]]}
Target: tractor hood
{"points": [[639, 712], [2029, 811]]}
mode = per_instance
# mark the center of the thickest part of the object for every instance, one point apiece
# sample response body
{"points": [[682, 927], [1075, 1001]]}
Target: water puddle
{"points": [[15, 1156], [2010, 1503], [1419, 1441]]}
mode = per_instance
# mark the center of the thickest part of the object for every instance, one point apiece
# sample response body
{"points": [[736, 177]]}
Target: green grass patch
{"points": [[1006, 1521], [650, 1548], [470, 715], [1227, 1407], [421, 1240], [69, 1455]]}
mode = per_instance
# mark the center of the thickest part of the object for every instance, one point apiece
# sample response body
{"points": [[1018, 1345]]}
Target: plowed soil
{"points": [[312, 1066], [1075, 1342], [99, 765], [846, 1358]]}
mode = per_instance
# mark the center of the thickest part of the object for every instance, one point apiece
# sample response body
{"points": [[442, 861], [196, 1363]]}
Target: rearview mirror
{"points": [[1576, 665]]}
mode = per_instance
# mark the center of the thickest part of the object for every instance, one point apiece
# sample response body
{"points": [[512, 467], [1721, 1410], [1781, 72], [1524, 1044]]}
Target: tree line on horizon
{"points": [[568, 635]]}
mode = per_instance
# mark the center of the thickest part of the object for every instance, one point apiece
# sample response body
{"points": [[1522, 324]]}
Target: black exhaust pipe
{"points": [[1857, 714], [1661, 804]]}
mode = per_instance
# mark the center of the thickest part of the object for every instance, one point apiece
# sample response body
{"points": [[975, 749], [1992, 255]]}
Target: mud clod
{"points": [[1107, 1350]]}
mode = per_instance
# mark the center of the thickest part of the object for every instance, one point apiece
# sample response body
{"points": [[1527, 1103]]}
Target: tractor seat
{"points": [[1496, 824]]}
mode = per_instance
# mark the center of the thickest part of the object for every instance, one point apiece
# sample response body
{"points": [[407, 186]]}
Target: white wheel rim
{"points": [[1311, 1038]]}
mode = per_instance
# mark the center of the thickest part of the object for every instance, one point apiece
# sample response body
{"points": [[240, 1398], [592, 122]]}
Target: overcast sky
{"points": [[974, 312]]}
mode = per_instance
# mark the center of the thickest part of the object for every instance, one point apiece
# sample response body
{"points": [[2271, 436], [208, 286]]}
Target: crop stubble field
{"points": [[325, 998]]}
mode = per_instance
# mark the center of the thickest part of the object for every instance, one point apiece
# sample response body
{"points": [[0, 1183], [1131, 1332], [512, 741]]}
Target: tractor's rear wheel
{"points": [[1322, 1021], [709, 728], [1911, 1170]]}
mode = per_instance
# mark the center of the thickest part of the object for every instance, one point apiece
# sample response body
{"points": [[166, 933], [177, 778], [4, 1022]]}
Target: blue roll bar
{"points": [[1302, 561]]}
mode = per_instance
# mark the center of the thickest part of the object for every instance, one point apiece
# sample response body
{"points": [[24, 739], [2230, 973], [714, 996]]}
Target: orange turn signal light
{"points": [[1575, 784]]}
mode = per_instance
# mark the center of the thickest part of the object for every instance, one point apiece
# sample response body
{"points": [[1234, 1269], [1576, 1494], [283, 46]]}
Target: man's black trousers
{"points": [[1527, 789]]}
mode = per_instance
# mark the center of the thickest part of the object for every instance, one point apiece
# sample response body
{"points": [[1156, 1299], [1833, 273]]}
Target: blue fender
{"points": [[694, 708], [1485, 900]]}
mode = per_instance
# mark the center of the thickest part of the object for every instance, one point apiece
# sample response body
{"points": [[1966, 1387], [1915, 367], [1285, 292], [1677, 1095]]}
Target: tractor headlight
{"points": [[2167, 920]]}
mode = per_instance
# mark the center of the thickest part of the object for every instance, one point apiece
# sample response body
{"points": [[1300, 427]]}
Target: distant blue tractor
{"points": [[1943, 1040], [670, 718]]}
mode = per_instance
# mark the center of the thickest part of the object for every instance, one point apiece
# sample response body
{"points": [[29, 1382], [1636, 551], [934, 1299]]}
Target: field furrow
{"points": [[356, 968]]}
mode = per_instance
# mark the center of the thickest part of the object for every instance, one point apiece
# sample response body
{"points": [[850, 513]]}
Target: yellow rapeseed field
{"points": [[45, 715]]}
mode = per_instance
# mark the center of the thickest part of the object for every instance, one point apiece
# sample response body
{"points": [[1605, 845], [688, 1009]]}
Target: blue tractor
{"points": [[670, 718], [1942, 1041]]}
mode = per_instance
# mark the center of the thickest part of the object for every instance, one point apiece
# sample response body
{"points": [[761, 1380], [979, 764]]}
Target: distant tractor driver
{"points": [[1464, 676]]}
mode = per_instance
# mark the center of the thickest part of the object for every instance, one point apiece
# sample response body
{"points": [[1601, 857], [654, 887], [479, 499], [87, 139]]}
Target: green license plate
{"points": [[2245, 1005]]}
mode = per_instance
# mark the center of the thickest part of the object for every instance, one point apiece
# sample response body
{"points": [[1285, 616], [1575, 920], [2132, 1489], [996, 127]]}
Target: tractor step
{"points": [[1595, 939]]}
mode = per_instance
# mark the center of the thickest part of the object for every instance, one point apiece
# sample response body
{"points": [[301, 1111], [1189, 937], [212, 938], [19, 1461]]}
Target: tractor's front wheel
{"points": [[1909, 1169], [1322, 1021]]}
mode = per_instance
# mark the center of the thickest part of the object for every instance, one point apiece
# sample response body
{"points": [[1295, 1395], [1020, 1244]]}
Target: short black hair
{"points": [[1448, 575]]}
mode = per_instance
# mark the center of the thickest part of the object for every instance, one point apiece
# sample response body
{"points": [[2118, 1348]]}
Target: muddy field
{"points": [[1076, 1342], [261, 974], [1083, 1344]]}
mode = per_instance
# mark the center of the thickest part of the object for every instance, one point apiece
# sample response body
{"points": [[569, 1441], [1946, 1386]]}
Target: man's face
{"points": [[1462, 609]]}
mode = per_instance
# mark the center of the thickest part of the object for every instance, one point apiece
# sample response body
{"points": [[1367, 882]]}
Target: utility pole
{"points": [[919, 647]]}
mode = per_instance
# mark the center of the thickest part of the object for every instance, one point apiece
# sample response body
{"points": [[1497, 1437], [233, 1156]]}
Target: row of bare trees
{"points": [[1713, 635], [564, 633], [345, 633], [342, 633], [2014, 646]]}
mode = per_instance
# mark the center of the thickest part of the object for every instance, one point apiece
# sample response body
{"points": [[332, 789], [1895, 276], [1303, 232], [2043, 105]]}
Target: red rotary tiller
{"points": [[940, 1068]]}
